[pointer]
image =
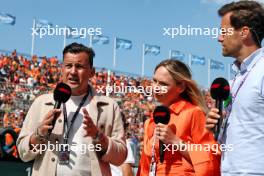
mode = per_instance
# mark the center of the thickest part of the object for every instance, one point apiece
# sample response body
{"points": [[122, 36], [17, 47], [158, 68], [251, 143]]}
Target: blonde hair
{"points": [[181, 74]]}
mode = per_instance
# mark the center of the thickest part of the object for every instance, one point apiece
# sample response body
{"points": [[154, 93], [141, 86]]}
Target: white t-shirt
{"points": [[30, 81], [79, 156], [116, 170]]}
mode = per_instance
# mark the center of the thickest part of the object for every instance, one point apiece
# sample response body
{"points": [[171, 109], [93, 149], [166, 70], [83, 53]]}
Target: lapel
{"points": [[93, 109], [95, 106]]}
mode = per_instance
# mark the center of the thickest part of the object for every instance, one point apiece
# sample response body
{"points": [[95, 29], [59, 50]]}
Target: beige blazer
{"points": [[104, 112]]}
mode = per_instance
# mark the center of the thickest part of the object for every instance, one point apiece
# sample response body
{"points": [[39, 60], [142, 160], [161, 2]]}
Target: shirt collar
{"points": [[178, 106], [248, 62]]}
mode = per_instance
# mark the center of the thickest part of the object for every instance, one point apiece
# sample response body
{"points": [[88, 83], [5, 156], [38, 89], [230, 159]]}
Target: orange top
{"points": [[188, 123], [6, 120], [9, 141]]}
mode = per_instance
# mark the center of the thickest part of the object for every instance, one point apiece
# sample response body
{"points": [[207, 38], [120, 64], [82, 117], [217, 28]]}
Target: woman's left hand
{"points": [[166, 135]]}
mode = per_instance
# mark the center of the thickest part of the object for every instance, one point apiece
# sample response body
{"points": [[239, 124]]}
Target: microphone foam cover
{"points": [[62, 92], [220, 89], [161, 114]]}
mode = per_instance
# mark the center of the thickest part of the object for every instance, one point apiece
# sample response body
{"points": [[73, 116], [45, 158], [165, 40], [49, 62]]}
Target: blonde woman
{"points": [[190, 148]]}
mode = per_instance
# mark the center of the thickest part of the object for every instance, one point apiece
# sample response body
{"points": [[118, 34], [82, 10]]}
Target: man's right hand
{"points": [[212, 119], [45, 125]]}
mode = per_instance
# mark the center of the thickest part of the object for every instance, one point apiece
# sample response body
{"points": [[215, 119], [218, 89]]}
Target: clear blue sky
{"points": [[136, 20]]}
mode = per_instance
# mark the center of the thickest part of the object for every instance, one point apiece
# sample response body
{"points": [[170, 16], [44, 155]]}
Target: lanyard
{"points": [[153, 165], [67, 129], [153, 150], [242, 82]]}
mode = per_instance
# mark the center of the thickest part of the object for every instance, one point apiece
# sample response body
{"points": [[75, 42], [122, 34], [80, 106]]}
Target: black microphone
{"points": [[161, 114], [61, 94], [220, 91]]}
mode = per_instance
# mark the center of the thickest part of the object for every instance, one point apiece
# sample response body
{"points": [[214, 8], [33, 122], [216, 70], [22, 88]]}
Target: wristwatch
{"points": [[40, 138]]}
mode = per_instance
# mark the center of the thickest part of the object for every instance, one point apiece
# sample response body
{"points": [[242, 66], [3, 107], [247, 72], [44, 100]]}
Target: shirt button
{"points": [[52, 159], [59, 120], [102, 127]]}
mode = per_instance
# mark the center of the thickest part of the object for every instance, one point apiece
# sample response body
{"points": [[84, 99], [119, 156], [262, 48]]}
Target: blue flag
{"points": [[72, 33], [196, 60], [100, 39], [6, 18], [40, 23], [217, 65], [177, 55], [123, 44], [151, 49]]}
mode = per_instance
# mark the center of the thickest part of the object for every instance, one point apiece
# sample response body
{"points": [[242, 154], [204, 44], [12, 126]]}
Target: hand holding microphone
{"points": [[62, 93], [166, 134], [220, 91], [46, 124], [161, 117]]}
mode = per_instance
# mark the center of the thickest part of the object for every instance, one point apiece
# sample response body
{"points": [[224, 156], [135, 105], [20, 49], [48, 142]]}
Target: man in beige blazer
{"points": [[95, 137]]}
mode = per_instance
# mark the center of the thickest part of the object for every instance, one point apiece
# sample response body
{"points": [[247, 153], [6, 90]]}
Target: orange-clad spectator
{"points": [[53, 61], [54, 70], [6, 60], [10, 147], [1, 63], [186, 126], [44, 62], [15, 64], [34, 59], [26, 63], [43, 80], [6, 120]]}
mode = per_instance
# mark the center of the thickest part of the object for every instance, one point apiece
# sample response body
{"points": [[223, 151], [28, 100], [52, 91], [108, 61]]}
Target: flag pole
{"points": [[33, 37], [114, 56], [64, 38], [108, 82], [190, 61], [90, 41], [143, 60], [209, 72]]}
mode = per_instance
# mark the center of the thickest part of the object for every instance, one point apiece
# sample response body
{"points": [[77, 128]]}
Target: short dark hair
{"points": [[246, 13], [76, 48]]}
